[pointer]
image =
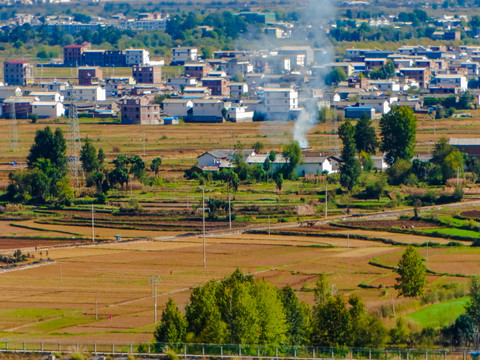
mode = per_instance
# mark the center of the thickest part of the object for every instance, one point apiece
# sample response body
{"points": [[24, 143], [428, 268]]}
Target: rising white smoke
{"points": [[317, 15]]}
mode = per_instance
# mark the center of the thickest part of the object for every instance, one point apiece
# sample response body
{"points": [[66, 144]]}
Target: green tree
{"points": [[271, 318], [365, 136], [88, 157], [278, 178], [293, 155], [412, 274], [350, 168], [297, 316], [155, 165], [333, 323], [138, 166], [204, 317], [101, 157], [448, 158], [49, 145], [173, 326], [239, 309], [258, 147], [335, 76], [399, 333], [398, 131], [323, 290], [473, 306]]}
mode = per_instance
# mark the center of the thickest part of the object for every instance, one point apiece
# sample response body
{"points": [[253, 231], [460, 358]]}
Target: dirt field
{"points": [[58, 300]]}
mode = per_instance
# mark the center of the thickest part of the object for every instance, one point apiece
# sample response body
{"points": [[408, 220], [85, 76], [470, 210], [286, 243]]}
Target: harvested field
{"points": [[386, 224], [474, 214]]}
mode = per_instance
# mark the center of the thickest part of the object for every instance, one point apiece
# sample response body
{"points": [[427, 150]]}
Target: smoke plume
{"points": [[316, 18]]}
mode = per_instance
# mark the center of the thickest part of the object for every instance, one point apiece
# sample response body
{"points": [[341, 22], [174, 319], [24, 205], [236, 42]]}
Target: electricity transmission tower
{"points": [[334, 145], [13, 128], [75, 141]]}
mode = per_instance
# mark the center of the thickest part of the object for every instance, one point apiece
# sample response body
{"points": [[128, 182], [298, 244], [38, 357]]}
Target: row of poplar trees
{"points": [[242, 310]]}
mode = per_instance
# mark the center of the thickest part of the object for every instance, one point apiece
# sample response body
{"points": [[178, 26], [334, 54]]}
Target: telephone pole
{"points": [[155, 280], [93, 224]]}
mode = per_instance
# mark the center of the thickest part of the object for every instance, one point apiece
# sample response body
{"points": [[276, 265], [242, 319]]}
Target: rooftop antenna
{"points": [[75, 140], [13, 128]]}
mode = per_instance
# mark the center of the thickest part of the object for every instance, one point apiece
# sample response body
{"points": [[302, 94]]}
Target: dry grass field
{"points": [[57, 300]]}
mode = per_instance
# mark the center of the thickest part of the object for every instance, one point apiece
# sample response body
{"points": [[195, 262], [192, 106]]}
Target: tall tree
{"points": [[448, 158], [88, 156], [365, 136], [173, 326], [293, 154], [204, 317], [239, 309], [155, 165], [333, 323], [297, 316], [412, 274], [398, 131], [49, 145], [350, 169], [271, 317]]}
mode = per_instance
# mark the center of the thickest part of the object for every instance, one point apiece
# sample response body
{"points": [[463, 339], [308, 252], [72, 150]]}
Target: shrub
{"points": [[171, 355]]}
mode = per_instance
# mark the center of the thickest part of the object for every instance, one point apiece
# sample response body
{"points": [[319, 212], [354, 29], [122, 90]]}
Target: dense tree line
{"points": [[242, 310]]}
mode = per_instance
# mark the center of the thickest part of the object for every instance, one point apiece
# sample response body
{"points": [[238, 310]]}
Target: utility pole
{"points": [[348, 239], [426, 255], [269, 225], [155, 280], [229, 211], [326, 200], [96, 309], [144, 140], [393, 307], [93, 224], [203, 224]]}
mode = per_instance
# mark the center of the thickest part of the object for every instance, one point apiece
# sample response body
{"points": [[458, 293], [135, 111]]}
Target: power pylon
{"points": [[75, 140], [334, 144], [13, 128]]}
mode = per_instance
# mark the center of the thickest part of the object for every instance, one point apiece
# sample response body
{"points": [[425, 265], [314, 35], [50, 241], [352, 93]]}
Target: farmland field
{"points": [[57, 300]]}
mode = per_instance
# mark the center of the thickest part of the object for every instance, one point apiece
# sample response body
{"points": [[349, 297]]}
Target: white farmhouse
{"points": [[88, 93], [239, 114], [314, 165], [177, 107], [48, 109], [47, 96]]}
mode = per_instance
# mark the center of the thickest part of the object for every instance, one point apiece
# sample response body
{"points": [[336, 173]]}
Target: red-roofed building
{"points": [[72, 54], [17, 72]]}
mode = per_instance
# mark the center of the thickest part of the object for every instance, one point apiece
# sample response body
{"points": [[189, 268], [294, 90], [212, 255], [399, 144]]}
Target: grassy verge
{"points": [[439, 314]]}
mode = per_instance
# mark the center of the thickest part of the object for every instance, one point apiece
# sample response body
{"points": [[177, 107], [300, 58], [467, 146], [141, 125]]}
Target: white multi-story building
{"points": [[137, 57], [450, 81], [279, 102], [88, 93], [182, 55]]}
